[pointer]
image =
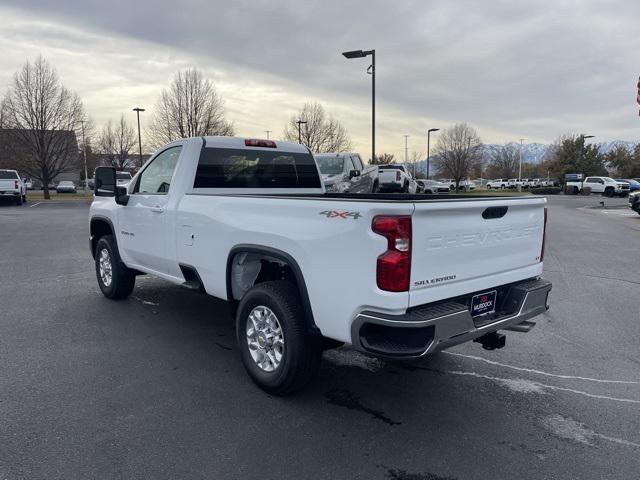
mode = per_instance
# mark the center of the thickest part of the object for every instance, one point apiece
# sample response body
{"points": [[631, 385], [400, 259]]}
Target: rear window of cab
{"points": [[242, 168]]}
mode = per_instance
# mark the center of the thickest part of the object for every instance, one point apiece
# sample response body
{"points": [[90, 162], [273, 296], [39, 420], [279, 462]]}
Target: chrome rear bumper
{"points": [[433, 327]]}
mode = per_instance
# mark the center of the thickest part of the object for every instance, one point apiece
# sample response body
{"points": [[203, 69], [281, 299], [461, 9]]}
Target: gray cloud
{"points": [[512, 69]]}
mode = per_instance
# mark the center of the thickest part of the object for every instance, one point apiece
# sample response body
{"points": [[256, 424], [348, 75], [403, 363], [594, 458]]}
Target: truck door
{"points": [[141, 222]]}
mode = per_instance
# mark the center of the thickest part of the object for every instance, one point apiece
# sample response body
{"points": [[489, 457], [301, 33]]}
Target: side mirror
{"points": [[104, 184], [122, 198], [354, 173]]}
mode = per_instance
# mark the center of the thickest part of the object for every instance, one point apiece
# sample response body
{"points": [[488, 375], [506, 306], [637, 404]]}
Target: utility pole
{"points": [[138, 110], [300, 122], [267, 132]]}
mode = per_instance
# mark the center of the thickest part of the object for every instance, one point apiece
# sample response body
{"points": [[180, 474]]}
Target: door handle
{"points": [[157, 209]]}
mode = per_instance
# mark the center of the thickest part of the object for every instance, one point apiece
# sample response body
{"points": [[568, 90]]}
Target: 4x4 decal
{"points": [[339, 214]]}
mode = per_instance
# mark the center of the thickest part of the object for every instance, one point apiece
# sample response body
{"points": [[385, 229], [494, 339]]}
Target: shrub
{"points": [[548, 190]]}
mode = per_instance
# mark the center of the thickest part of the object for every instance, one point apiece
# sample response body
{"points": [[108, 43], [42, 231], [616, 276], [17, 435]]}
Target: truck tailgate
{"points": [[8, 185], [466, 246]]}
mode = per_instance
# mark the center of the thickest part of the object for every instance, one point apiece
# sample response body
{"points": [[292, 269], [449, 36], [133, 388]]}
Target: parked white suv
{"points": [[248, 221]]}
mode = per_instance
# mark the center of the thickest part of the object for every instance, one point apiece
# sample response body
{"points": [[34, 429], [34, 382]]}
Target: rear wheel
{"points": [[276, 348], [116, 281]]}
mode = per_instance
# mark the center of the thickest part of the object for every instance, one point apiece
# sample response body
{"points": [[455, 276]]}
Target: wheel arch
{"points": [[98, 228], [283, 257]]}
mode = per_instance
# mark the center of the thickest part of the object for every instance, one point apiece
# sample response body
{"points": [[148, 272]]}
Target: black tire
{"points": [[19, 200], [405, 188], [123, 279], [302, 351], [608, 192]]}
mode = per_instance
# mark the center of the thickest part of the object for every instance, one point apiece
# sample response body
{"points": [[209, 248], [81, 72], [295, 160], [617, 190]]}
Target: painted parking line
{"points": [[35, 205]]}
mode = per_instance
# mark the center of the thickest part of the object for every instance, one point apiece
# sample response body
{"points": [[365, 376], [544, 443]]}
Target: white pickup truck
{"points": [[393, 275], [604, 185], [396, 178], [12, 186]]}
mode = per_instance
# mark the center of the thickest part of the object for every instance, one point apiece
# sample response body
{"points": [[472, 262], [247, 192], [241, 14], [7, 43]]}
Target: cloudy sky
{"points": [[532, 69]]}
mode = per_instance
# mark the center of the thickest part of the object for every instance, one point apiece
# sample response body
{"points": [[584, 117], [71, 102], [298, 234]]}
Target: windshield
{"points": [[330, 165], [123, 176], [65, 183], [7, 175]]}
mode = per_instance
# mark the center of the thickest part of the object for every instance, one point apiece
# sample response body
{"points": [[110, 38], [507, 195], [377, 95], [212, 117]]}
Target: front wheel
{"points": [[276, 348], [116, 281]]}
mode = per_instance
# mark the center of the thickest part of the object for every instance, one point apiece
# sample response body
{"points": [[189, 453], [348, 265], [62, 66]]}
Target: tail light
{"points": [[394, 266], [17, 185], [397, 175], [544, 234], [252, 142]]}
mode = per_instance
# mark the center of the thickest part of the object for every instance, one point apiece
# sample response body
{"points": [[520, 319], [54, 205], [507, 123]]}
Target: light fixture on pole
{"points": [[300, 122], [428, 145], [138, 110], [372, 71]]}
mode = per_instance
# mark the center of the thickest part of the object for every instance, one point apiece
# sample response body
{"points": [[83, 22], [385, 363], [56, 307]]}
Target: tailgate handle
{"points": [[494, 212]]}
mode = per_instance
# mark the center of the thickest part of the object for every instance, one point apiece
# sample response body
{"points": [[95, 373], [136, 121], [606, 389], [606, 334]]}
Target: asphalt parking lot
{"points": [[152, 387]]}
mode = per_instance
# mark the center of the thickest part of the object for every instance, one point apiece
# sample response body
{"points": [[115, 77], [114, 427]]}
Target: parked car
{"points": [[248, 221], [604, 185], [123, 178], [634, 201], [634, 185], [66, 186], [28, 184], [464, 185], [11, 186], [345, 172], [396, 177], [431, 187], [499, 183], [625, 188]]}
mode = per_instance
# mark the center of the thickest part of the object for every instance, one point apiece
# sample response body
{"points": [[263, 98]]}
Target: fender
{"points": [[103, 219], [289, 260]]}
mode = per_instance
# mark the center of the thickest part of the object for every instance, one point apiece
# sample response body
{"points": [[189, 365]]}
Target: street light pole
{"points": [[428, 145], [138, 110], [267, 132], [300, 122], [371, 71], [84, 155], [406, 153], [582, 153], [520, 167]]}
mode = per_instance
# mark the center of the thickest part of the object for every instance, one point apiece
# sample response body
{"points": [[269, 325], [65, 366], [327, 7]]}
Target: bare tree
{"points": [[43, 117], [383, 159], [504, 160], [116, 143], [321, 132], [459, 149], [190, 107]]}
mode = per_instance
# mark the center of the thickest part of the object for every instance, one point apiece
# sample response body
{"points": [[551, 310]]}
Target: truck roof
{"points": [[240, 143]]}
